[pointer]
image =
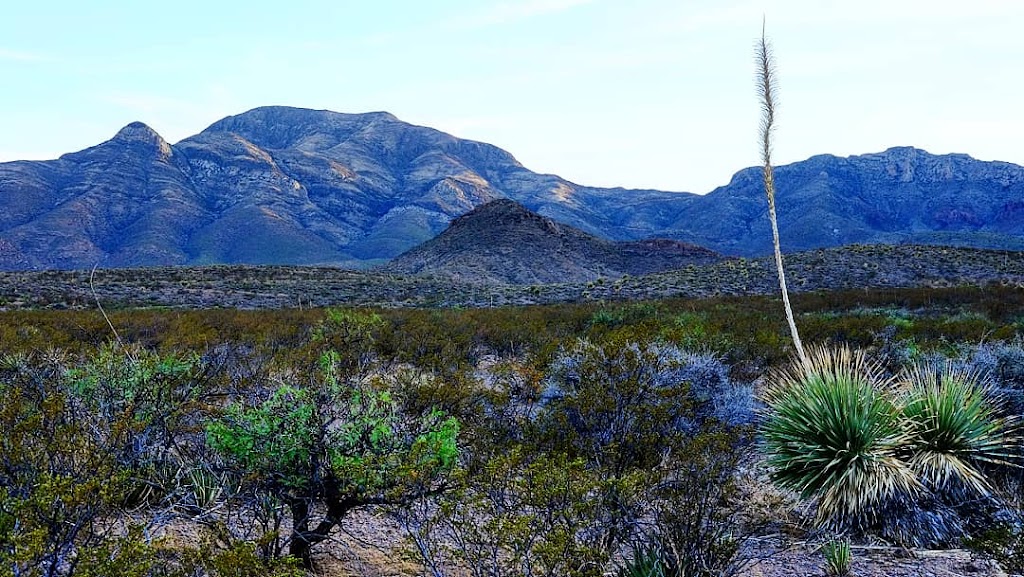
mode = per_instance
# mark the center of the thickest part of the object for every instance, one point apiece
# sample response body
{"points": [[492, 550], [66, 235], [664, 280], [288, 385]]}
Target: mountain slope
{"points": [[293, 186], [277, 185], [125, 202], [503, 242], [902, 195]]}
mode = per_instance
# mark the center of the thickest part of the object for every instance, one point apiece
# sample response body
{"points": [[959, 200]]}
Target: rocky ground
{"points": [[372, 546], [801, 559]]}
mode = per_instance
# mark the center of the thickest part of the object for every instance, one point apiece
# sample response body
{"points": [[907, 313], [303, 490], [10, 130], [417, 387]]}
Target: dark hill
{"points": [[503, 242]]}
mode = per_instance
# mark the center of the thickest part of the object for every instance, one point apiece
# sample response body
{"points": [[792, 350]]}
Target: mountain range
{"points": [[279, 185]]}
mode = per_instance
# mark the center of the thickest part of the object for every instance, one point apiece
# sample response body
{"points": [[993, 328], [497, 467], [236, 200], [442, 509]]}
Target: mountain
{"points": [[278, 185], [503, 242], [900, 196], [294, 186]]}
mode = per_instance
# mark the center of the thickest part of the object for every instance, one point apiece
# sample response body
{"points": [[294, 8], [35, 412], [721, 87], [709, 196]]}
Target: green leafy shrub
{"points": [[523, 513], [61, 476], [342, 442], [243, 560], [146, 405]]}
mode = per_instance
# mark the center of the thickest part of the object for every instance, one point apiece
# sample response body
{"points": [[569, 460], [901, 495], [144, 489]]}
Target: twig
{"points": [[117, 337]]}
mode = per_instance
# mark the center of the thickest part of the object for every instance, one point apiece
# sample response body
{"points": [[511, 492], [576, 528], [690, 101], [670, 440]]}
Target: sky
{"points": [[634, 93]]}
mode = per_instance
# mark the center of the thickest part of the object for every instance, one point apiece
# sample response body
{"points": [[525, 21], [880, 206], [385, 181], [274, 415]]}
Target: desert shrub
{"points": [[893, 353], [523, 513], [342, 442], [1002, 361], [853, 330], [242, 559], [438, 341], [146, 405], [573, 462], [351, 335], [639, 416], [717, 396], [614, 405], [631, 314], [695, 531], [61, 475], [643, 373], [692, 330]]}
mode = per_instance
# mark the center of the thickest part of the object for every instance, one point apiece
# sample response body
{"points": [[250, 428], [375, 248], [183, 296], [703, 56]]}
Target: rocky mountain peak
{"points": [[139, 133], [279, 127], [503, 209]]}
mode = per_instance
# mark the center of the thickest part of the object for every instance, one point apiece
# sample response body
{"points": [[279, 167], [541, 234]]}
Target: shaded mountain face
{"points": [[503, 242], [293, 186], [126, 202], [902, 195]]}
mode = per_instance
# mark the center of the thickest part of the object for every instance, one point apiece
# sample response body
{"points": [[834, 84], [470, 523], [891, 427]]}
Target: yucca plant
{"points": [[838, 557], [954, 428], [646, 561], [832, 430], [766, 83]]}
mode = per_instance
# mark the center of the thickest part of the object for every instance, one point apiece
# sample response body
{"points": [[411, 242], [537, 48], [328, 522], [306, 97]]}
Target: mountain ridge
{"points": [[282, 185]]}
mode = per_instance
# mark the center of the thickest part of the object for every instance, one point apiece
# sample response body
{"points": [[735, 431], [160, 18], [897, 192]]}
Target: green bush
{"points": [[342, 442]]}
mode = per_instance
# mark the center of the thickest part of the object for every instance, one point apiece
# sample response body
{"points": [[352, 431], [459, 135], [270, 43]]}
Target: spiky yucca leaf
{"points": [[838, 557], [954, 427], [832, 431]]}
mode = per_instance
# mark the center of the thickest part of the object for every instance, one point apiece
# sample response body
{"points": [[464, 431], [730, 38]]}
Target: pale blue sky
{"points": [[635, 93]]}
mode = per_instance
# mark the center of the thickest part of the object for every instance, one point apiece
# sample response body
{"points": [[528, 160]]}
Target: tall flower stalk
{"points": [[766, 90]]}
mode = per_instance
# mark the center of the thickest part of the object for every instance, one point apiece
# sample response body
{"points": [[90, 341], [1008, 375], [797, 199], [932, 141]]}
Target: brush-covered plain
{"points": [[567, 439]]}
